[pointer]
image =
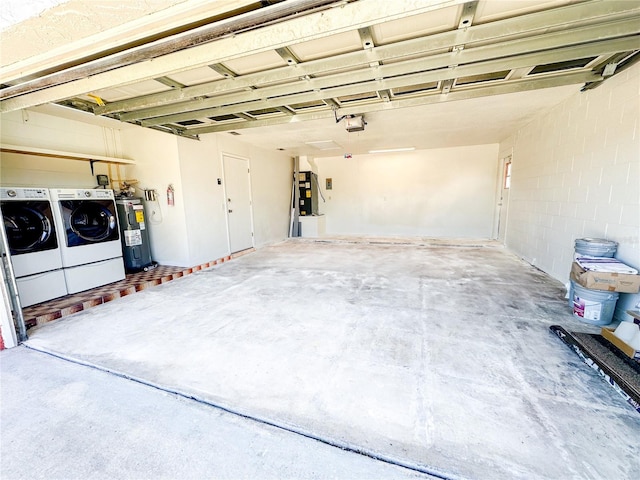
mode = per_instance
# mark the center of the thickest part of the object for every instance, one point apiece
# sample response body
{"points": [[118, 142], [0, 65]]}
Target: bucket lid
{"points": [[595, 242]]}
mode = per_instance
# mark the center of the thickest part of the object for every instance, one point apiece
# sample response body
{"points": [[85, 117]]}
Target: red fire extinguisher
{"points": [[170, 195]]}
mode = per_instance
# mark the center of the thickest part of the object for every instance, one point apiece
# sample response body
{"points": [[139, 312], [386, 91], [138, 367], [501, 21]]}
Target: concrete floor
{"points": [[431, 355], [66, 421]]}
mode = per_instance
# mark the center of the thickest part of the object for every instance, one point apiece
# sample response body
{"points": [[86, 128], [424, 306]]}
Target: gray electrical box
{"points": [[136, 249]]}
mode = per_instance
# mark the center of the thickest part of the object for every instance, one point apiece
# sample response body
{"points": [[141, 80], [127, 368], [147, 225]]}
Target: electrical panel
{"points": [[308, 188]]}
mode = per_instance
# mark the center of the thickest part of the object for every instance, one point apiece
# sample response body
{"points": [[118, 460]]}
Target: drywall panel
{"points": [[203, 198], [576, 172], [157, 166], [447, 192], [271, 183], [28, 127], [33, 129]]}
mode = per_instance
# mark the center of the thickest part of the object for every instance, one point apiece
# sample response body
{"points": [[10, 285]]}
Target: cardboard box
{"points": [[628, 350], [609, 282]]}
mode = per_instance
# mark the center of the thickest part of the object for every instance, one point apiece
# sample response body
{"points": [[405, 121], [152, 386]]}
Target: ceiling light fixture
{"points": [[390, 150]]}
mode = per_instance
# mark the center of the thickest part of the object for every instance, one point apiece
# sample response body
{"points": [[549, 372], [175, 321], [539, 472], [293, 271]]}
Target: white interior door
{"points": [[503, 204], [238, 201]]}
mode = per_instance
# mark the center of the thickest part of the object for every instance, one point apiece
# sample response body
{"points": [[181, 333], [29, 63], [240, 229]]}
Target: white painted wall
{"points": [[576, 173], [189, 233], [200, 167], [34, 129], [157, 165], [194, 231], [271, 182], [448, 192]]}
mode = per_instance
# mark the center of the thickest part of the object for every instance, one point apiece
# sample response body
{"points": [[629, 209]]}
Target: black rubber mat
{"points": [[622, 372]]}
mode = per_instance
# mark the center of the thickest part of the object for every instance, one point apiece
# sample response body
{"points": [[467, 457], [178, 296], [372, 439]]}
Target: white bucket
{"points": [[596, 247], [593, 306]]}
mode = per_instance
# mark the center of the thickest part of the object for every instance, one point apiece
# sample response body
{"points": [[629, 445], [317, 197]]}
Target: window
{"points": [[507, 173]]}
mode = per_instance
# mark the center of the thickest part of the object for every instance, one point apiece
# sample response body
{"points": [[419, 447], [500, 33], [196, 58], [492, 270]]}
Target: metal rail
{"points": [[12, 288]]}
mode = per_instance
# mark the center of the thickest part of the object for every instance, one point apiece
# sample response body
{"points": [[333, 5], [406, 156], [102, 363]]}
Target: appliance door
{"points": [[89, 222], [29, 226]]}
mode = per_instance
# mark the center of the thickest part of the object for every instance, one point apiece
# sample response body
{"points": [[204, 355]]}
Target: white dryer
{"points": [[33, 245], [89, 237]]}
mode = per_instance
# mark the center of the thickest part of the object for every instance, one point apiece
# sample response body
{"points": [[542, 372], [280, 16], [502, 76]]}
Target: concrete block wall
{"points": [[576, 173], [445, 192]]}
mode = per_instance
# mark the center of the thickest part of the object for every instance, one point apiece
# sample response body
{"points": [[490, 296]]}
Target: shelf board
{"points": [[43, 152]]}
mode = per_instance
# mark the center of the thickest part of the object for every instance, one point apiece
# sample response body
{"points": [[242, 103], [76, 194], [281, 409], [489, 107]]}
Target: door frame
{"points": [[226, 197], [502, 204]]}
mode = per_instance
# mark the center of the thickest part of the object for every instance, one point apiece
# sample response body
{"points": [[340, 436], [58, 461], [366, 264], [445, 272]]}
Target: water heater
{"points": [[136, 249]]}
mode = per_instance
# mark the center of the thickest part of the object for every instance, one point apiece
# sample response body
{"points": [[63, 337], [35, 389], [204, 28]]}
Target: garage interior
{"points": [[458, 148]]}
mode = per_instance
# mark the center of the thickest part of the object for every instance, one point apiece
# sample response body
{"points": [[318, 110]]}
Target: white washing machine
{"points": [[89, 237], [34, 247]]}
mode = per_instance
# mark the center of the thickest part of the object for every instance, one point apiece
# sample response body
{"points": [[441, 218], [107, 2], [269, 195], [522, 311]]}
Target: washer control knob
{"points": [[87, 193], [11, 193]]}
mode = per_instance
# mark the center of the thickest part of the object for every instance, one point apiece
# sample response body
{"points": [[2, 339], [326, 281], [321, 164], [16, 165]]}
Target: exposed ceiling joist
{"points": [[441, 75], [285, 110], [169, 82], [170, 44], [342, 18], [514, 87], [467, 14], [287, 56], [366, 38], [445, 86], [480, 33], [548, 44], [174, 19], [245, 116], [221, 69], [331, 103], [395, 75], [362, 56], [385, 95]]}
